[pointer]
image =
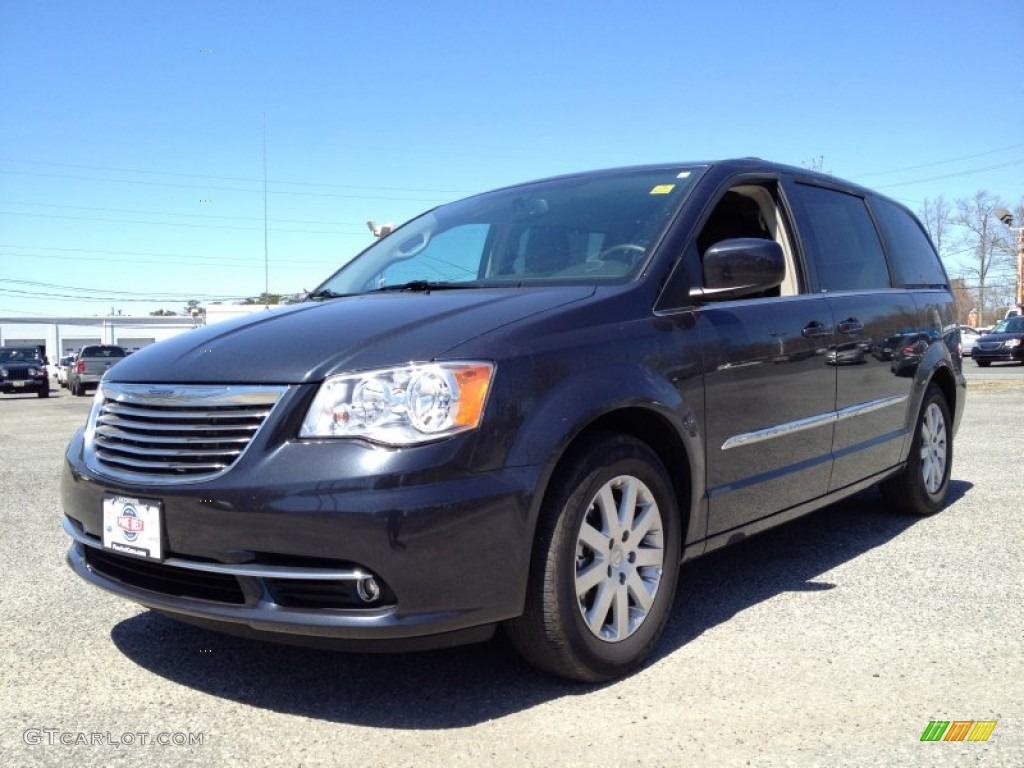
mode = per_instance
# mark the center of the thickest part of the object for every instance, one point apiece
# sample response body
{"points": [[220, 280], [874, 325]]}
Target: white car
{"points": [[968, 336], [62, 370]]}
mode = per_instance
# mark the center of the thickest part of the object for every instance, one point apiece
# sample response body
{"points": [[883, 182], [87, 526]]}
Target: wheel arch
{"points": [[681, 461]]}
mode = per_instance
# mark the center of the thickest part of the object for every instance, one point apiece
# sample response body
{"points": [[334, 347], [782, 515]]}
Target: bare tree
{"points": [[983, 236], [937, 219]]}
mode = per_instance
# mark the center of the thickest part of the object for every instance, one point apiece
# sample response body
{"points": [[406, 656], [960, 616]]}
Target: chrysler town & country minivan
{"points": [[524, 410]]}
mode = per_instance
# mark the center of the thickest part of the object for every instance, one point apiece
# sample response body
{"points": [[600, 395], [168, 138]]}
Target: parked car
{"points": [[525, 409], [908, 353], [90, 364], [23, 369], [968, 337], [849, 353], [62, 370], [1005, 343]]}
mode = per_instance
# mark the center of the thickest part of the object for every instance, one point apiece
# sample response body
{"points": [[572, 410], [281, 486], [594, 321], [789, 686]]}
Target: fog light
{"points": [[368, 589]]}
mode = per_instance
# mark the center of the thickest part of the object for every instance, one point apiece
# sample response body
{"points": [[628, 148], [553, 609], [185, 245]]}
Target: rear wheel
{"points": [[605, 563], [921, 488]]}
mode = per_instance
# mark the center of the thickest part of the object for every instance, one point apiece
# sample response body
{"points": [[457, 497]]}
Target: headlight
{"points": [[401, 406], [1010, 343]]}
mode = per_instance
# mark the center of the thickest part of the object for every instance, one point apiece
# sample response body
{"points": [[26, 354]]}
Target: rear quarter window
{"points": [[842, 240], [914, 261]]}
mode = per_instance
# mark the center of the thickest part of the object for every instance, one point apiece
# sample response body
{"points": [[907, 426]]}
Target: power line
{"points": [[177, 224], [240, 178], [207, 187], [954, 175], [57, 286], [14, 293], [939, 162], [94, 250], [141, 212]]}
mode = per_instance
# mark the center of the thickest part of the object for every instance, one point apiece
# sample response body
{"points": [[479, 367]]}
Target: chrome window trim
{"points": [[811, 422]]}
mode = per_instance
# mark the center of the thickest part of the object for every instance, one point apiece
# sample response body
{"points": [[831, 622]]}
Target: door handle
{"points": [[815, 330], [851, 325]]}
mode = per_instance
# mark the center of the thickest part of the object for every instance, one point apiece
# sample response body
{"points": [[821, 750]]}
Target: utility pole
{"points": [[266, 249]]}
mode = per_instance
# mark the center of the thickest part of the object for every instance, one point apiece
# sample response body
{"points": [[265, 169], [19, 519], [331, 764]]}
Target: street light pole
{"points": [[1007, 218], [1020, 269]]}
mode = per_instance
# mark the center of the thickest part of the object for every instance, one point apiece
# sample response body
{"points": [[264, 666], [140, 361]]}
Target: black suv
{"points": [[526, 409], [1003, 344], [23, 369]]}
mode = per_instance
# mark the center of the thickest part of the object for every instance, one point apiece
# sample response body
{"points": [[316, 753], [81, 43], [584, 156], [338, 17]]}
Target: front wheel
{"points": [[604, 566], [922, 486], [983, 363]]}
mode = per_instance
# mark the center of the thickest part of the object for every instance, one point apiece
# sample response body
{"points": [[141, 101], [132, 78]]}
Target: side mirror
{"points": [[742, 266]]}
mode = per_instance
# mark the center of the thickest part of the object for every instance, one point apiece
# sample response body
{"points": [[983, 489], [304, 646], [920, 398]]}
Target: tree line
{"points": [[979, 249]]}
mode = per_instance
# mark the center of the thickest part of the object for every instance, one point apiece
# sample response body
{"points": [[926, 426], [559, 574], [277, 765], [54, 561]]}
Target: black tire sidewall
{"points": [[923, 501], [622, 457]]}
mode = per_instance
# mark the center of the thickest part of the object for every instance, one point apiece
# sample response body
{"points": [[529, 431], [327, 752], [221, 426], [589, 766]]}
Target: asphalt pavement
{"points": [[832, 641]]}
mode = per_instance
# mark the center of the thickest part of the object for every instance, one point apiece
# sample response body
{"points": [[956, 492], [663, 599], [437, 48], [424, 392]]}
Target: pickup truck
{"points": [[90, 365]]}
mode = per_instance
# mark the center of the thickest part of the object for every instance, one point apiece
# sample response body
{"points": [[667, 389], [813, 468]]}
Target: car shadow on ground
{"points": [[464, 686]]}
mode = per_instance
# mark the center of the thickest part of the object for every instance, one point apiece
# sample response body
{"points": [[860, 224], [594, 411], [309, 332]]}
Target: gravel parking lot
{"points": [[832, 641]]}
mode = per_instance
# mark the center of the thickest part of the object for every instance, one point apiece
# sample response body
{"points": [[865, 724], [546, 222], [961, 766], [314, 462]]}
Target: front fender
{"points": [[627, 398]]}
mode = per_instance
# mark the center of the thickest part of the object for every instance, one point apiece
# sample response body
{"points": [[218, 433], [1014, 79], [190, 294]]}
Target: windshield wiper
{"points": [[324, 293], [424, 286]]}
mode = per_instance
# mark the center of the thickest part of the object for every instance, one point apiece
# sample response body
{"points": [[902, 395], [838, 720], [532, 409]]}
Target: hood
{"points": [[1000, 337], [306, 342]]}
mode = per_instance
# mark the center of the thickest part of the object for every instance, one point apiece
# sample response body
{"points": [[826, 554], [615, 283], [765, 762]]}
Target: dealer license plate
{"points": [[132, 526]]}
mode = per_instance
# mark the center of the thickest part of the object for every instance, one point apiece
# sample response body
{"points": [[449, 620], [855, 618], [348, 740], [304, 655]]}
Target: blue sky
{"points": [[131, 133]]}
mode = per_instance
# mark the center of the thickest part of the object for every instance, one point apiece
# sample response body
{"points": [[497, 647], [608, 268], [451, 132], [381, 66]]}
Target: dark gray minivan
{"points": [[525, 409]]}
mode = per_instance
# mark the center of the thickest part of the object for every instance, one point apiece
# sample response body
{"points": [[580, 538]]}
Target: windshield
{"points": [[589, 228], [19, 354], [1010, 325]]}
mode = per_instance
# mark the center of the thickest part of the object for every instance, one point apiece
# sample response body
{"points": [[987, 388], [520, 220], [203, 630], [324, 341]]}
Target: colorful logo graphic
{"points": [[130, 523], [958, 730]]}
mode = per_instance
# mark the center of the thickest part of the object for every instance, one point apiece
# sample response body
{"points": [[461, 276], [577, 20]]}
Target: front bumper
{"points": [[11, 386], [276, 547], [1002, 355]]}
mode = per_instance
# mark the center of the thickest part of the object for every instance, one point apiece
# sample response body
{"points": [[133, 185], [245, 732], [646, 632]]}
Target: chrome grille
{"points": [[176, 433]]}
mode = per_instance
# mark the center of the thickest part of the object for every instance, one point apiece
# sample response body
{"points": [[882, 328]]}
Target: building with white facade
{"points": [[63, 336]]}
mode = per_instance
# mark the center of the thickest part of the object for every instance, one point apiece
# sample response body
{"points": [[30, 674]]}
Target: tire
{"points": [[983, 363], [43, 393], [921, 488], [599, 593]]}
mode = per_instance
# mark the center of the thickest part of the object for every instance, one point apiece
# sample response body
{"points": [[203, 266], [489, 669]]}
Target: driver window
{"points": [[751, 211]]}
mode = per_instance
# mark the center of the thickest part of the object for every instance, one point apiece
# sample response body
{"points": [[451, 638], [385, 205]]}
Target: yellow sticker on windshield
{"points": [[663, 189]]}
